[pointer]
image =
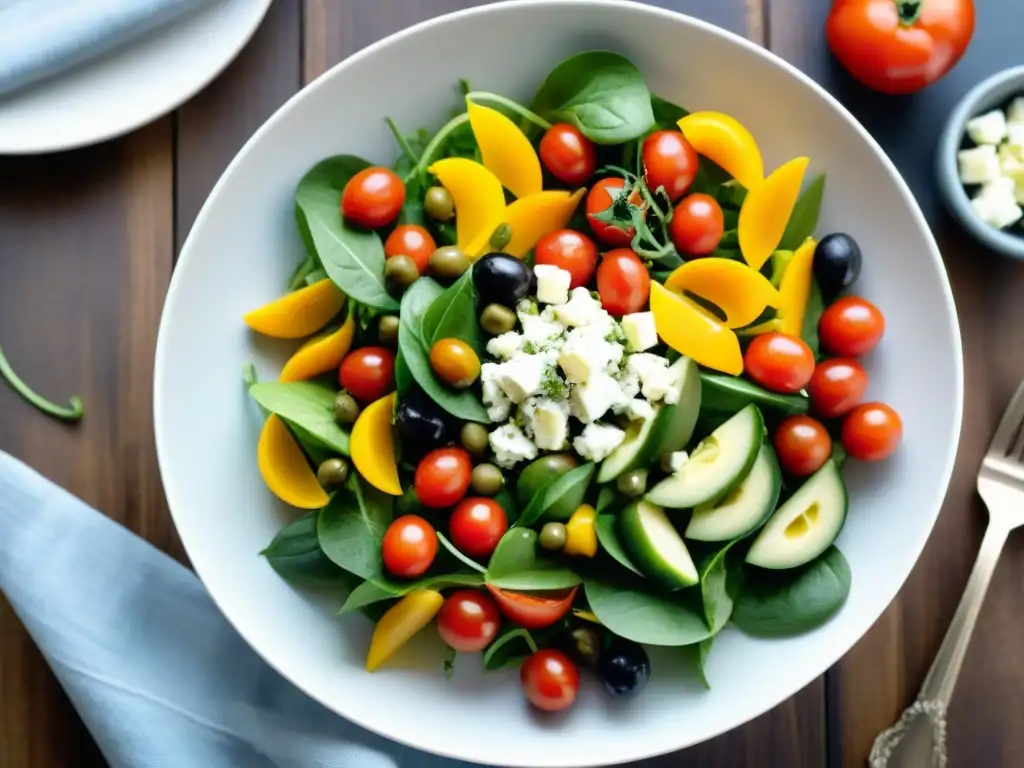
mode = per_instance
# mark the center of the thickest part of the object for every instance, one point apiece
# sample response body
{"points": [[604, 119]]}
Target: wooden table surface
{"points": [[88, 241]]}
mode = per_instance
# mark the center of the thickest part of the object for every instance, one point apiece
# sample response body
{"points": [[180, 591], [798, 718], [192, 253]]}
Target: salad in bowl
{"points": [[574, 379]]}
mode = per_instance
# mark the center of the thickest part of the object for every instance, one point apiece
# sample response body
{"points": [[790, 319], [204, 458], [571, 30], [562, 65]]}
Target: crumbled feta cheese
{"points": [[597, 441], [655, 379], [592, 400], [550, 424], [521, 376], [989, 128], [498, 405], [997, 211], [635, 409], [586, 351], [979, 164], [640, 331], [999, 191], [552, 284], [1015, 136], [1011, 161], [1015, 112], [510, 446], [677, 460], [629, 382], [505, 346], [540, 334], [580, 310]]}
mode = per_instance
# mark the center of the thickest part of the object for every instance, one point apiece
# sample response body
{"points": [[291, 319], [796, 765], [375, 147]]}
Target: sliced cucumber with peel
{"points": [[746, 508], [805, 525], [716, 466], [655, 547]]}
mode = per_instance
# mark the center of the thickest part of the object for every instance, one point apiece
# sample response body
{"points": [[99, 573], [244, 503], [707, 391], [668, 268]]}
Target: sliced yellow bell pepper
{"points": [[284, 467], [299, 313], [530, 218], [581, 532], [373, 446], [505, 150], [766, 210], [320, 355], [740, 292], [723, 140], [478, 195], [795, 289], [590, 616], [693, 332], [402, 621]]}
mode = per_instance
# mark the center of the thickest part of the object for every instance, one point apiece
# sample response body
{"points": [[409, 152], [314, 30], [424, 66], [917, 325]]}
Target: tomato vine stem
{"points": [[72, 413], [909, 11]]}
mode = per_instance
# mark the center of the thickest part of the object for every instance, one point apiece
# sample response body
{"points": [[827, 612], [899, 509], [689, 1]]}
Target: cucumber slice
{"points": [[717, 465], [655, 547], [729, 394], [805, 525], [746, 508], [631, 453]]}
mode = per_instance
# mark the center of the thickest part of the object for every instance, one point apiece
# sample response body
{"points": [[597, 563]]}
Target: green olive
{"points": [[448, 262], [632, 484], [586, 645], [474, 438], [438, 204], [400, 271], [497, 319], [552, 536], [486, 479], [387, 330], [501, 237], [346, 409], [332, 473]]}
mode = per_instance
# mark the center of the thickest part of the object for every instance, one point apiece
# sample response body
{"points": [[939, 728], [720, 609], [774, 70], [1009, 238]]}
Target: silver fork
{"points": [[918, 739]]}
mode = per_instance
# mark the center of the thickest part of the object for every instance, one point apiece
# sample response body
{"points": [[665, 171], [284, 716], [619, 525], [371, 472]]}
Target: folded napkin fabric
{"points": [[42, 38]]}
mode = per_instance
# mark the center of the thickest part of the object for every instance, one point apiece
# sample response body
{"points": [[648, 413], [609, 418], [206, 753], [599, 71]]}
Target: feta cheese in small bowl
{"points": [[981, 162]]}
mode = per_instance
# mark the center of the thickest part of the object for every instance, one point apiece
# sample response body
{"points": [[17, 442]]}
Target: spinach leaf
{"points": [[607, 499], [351, 528], [636, 614], [599, 92], [515, 565], [403, 376], [812, 314], [452, 315], [782, 603], [450, 654], [308, 266], [608, 537], [307, 406], [561, 498], [720, 581], [509, 649], [804, 218], [838, 453], [458, 555], [699, 654], [353, 258], [249, 375], [376, 590], [507, 503], [731, 195], [666, 114], [296, 555]]}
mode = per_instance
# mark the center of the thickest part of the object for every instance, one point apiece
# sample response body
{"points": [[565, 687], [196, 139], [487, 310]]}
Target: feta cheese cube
{"points": [[1015, 135], [498, 405], [655, 379], [640, 331], [510, 446], [552, 284], [677, 460], [978, 165], [586, 351], [999, 191], [521, 376], [505, 346], [575, 365], [580, 310], [550, 424], [635, 409], [1011, 161], [989, 128], [597, 441], [592, 400], [1015, 112]]}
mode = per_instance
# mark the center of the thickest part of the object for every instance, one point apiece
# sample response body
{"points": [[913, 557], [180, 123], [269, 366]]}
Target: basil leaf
{"points": [[560, 499], [599, 92], [666, 114], [509, 649], [608, 538], [307, 406], [806, 212], [376, 590], [458, 555], [644, 617], [296, 555], [812, 314], [515, 565], [351, 528]]}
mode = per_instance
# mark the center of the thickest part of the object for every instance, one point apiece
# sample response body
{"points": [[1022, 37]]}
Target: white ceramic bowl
{"points": [[244, 245]]}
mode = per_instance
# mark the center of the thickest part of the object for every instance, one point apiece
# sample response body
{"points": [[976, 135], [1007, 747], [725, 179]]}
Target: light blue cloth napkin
{"points": [[155, 671], [41, 38]]}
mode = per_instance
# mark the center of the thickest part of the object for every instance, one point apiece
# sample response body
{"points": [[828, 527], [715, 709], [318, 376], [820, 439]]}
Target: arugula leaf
{"points": [[560, 499], [383, 588], [608, 538], [515, 565], [509, 649], [633, 612], [812, 314], [806, 212], [307, 406], [458, 555], [351, 528], [296, 555]]}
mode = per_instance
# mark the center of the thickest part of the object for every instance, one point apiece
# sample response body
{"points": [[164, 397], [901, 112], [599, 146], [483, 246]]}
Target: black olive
{"points": [[836, 263], [422, 425], [502, 279], [625, 668]]}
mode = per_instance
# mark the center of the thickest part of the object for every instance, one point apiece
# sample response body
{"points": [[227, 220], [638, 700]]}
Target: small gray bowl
{"points": [[991, 93]]}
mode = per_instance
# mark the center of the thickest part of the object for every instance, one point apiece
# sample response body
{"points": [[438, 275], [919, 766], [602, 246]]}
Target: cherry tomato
{"points": [[442, 477], [373, 197], [410, 544], [851, 327], [413, 241], [836, 386], [477, 525], [669, 162], [468, 621], [533, 611], [899, 47], [569, 250], [599, 199], [871, 432], [623, 282], [550, 680], [568, 154], [802, 445], [779, 362], [368, 373], [454, 362], [697, 225]]}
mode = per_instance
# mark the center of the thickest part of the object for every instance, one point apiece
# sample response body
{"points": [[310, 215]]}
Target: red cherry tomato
{"points": [[836, 386], [697, 225], [368, 373], [468, 621], [410, 544], [550, 680], [802, 445], [599, 199], [373, 197], [568, 154], [442, 477], [413, 241], [779, 362], [623, 282], [533, 611], [851, 327], [569, 250], [871, 432], [669, 162], [477, 525]]}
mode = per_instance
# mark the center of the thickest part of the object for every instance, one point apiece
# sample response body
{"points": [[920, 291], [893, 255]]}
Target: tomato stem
{"points": [[909, 11], [72, 413]]}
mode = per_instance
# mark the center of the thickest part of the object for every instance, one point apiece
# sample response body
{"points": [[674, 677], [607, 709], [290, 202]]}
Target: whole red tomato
{"points": [[568, 154], [413, 241], [368, 373], [550, 680], [373, 197], [409, 547], [623, 282], [569, 250], [442, 477], [599, 199], [697, 225], [670, 163], [477, 525], [469, 620], [899, 47]]}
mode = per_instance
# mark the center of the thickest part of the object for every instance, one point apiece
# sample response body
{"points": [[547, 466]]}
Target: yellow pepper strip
{"points": [[693, 332], [373, 446], [505, 150], [795, 289], [478, 195], [530, 219], [284, 467], [724, 141], [581, 532], [586, 615], [766, 211], [740, 292], [320, 355], [299, 313], [402, 621]]}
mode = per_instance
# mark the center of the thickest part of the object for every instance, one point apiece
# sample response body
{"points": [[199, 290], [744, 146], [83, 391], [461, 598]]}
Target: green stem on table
{"points": [[502, 101], [73, 413], [437, 141]]}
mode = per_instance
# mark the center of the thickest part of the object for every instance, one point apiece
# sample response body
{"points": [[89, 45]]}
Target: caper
{"points": [[632, 484], [346, 409], [501, 236], [400, 271], [552, 536], [497, 319], [387, 330], [438, 204], [448, 262], [332, 472], [486, 479], [474, 438]]}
